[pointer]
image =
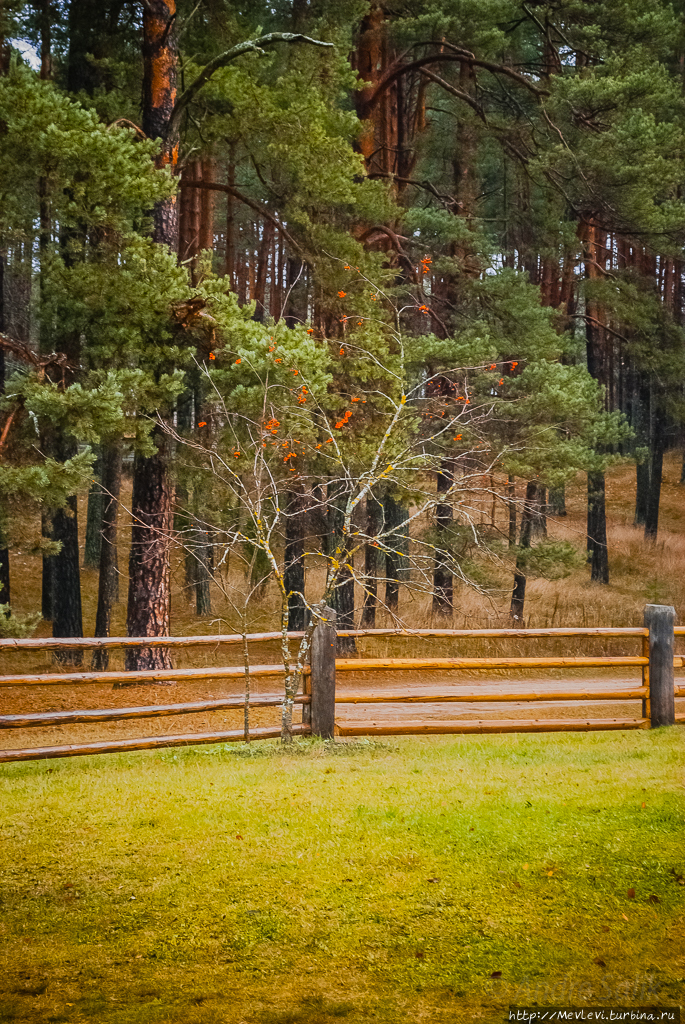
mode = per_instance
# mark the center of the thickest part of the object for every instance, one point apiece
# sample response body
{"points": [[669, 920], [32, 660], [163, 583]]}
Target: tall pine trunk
{"points": [[598, 363], [656, 460], [597, 528], [149, 569], [67, 616], [91, 555], [5, 592], [108, 582], [518, 597], [443, 584]]}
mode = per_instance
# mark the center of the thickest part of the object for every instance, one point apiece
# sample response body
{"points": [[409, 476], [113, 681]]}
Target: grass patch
{"points": [[420, 879]]}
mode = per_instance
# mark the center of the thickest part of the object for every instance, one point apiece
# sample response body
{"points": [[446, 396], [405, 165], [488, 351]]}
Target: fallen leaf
{"points": [[433, 879], [496, 974], [598, 960], [239, 836], [517, 884], [624, 917], [643, 805], [419, 954], [605, 927], [654, 899], [472, 829], [525, 867], [631, 894], [549, 874]]}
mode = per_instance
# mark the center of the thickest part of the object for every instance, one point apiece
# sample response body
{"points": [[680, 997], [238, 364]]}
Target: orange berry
{"points": [[203, 424], [212, 356]]}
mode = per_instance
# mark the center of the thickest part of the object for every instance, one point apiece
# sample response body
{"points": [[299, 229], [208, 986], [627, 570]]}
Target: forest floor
{"points": [[640, 572], [428, 880]]}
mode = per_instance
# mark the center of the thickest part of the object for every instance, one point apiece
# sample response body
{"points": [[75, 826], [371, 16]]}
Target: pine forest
{"points": [[334, 302]]}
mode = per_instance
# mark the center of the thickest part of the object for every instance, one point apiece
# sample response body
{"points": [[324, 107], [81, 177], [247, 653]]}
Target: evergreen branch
{"points": [[457, 55], [223, 59]]}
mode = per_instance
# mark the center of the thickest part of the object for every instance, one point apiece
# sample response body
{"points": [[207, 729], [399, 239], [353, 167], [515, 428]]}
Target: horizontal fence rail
{"points": [[147, 743], [470, 664], [656, 662], [147, 676], [214, 640], [47, 718], [502, 725], [441, 697]]}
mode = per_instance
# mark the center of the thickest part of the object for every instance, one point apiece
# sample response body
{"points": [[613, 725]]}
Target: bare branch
{"points": [[248, 46], [263, 211]]}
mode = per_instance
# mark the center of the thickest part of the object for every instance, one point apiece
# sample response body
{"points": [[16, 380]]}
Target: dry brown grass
{"points": [[640, 572]]}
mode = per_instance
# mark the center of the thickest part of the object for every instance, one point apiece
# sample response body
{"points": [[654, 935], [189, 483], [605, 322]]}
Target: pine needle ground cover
{"points": [[420, 880]]}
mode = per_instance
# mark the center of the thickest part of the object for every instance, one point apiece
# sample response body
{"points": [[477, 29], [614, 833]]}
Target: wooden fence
{"points": [[656, 691]]}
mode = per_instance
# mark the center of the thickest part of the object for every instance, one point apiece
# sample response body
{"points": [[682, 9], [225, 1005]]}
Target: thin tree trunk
{"points": [[262, 266], [202, 575], [598, 524], [394, 515], [518, 596], [443, 584], [229, 255], [373, 525], [641, 418], [511, 493], [47, 569], [294, 572], [91, 555], [655, 474], [108, 583], [5, 592], [207, 199], [67, 617], [342, 599]]}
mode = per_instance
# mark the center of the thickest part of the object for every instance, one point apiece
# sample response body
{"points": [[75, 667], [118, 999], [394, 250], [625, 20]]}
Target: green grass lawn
{"points": [[415, 880]]}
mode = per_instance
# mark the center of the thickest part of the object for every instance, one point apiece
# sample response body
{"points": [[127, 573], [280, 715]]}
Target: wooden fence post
{"points": [[323, 677], [660, 619]]}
